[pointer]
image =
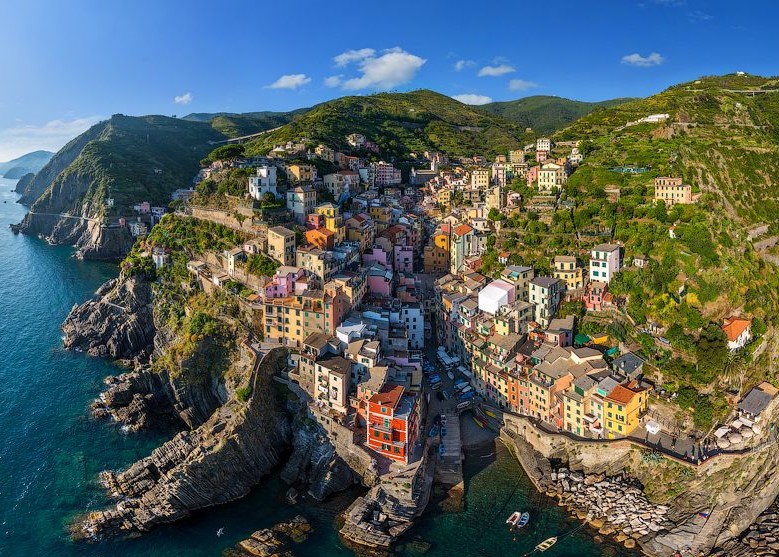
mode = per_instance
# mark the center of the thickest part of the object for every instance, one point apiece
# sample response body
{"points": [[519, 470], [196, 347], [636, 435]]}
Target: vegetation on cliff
{"points": [[203, 327], [399, 123]]}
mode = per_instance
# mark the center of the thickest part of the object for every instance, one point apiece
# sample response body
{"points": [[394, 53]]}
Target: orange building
{"points": [[321, 238], [393, 423]]}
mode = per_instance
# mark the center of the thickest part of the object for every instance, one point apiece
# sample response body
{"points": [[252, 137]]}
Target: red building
{"points": [[393, 422]]}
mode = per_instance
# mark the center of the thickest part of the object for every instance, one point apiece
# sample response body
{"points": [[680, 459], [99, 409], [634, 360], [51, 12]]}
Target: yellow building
{"points": [[437, 253], [303, 173], [672, 191], [567, 269], [382, 216], [480, 178], [325, 153], [551, 176], [334, 222], [444, 196], [623, 408], [517, 156], [281, 245]]}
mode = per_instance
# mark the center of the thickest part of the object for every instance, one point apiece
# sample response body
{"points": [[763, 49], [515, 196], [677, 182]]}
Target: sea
{"points": [[51, 451]]}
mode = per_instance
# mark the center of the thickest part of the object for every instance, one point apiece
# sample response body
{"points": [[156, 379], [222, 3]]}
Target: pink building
{"points": [[288, 281], [594, 296], [143, 208], [376, 255], [532, 175], [315, 220], [404, 259], [380, 281], [385, 174]]}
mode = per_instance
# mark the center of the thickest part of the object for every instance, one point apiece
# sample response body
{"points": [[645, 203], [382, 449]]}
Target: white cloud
{"points": [[698, 16], [51, 136], [495, 71], [291, 81], [394, 67], [654, 59], [186, 98], [472, 98], [346, 58], [460, 65], [333, 80], [521, 85]]}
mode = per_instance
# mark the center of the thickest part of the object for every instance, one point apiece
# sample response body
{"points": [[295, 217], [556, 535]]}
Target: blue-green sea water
{"points": [[51, 451]]}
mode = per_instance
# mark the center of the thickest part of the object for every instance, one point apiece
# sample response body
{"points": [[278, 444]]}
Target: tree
{"points": [[226, 152], [269, 198], [711, 353], [495, 215]]}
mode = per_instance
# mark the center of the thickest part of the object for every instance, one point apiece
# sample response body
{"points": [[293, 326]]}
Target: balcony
{"points": [[379, 427]]}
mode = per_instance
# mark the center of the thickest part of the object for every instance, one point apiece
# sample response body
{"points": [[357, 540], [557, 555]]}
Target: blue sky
{"points": [[68, 64]]}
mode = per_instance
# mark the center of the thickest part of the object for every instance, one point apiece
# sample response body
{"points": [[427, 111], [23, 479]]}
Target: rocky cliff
{"points": [[117, 322], [315, 462], [217, 462]]}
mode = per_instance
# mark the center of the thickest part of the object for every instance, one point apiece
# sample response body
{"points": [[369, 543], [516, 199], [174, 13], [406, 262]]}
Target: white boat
{"points": [[220, 532], [514, 518], [546, 544]]}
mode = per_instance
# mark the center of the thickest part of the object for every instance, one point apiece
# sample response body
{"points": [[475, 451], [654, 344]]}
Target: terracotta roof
{"points": [[463, 229], [734, 326], [388, 396], [621, 395]]}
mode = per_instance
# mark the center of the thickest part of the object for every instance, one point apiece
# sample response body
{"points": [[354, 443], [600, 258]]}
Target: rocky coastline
{"points": [[275, 541], [225, 446], [615, 506], [118, 322]]}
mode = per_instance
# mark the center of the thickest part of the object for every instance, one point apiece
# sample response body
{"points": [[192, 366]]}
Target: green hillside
{"points": [[400, 123], [129, 159], [236, 125], [720, 141], [546, 114]]}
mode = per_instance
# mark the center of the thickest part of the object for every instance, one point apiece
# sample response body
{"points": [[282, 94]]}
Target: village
{"points": [[397, 337]]}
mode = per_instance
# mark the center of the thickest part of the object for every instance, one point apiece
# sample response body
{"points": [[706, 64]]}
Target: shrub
{"points": [[243, 393]]}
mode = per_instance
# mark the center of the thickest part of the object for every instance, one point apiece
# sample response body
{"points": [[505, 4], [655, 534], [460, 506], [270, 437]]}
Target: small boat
{"points": [[433, 431], [441, 449], [523, 520], [475, 419], [513, 519], [450, 375], [443, 432], [546, 544], [220, 532]]}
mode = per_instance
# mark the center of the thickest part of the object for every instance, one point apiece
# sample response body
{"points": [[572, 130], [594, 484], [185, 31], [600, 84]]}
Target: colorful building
{"points": [[393, 423]]}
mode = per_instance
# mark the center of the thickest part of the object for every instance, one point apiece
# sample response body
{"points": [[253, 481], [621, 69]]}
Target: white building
{"points": [[496, 294], [263, 182], [300, 202], [605, 262], [544, 144], [414, 318], [545, 293]]}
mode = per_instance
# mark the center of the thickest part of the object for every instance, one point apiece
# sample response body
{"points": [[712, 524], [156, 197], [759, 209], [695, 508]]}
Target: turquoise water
{"points": [[51, 451]]}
